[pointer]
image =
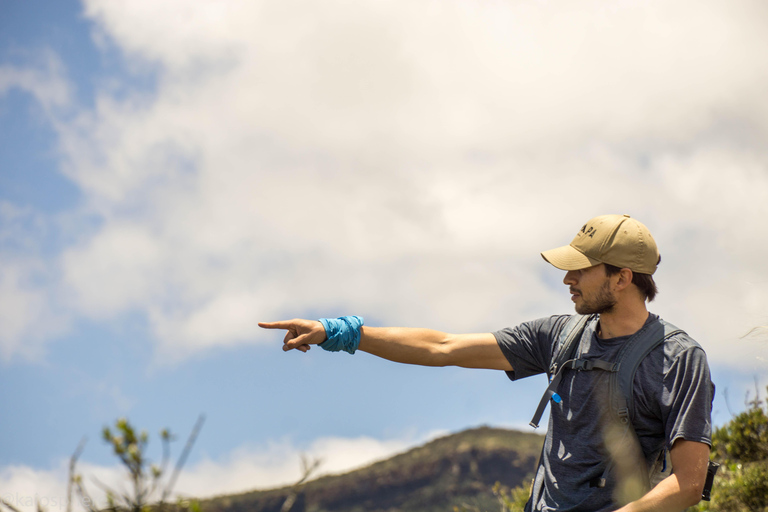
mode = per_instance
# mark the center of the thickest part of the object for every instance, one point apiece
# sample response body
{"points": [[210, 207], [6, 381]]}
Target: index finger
{"points": [[282, 324]]}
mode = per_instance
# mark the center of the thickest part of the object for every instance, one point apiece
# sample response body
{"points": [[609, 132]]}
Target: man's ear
{"points": [[624, 279]]}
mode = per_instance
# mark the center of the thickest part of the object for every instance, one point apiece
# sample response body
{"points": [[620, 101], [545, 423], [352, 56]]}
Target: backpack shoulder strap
{"points": [[567, 342], [637, 348], [634, 351]]}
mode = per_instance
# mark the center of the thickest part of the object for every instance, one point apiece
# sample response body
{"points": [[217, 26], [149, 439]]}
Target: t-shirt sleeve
{"points": [[687, 398], [529, 346]]}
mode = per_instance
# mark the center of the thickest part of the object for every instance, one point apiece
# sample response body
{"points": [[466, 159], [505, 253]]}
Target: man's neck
{"points": [[622, 321]]}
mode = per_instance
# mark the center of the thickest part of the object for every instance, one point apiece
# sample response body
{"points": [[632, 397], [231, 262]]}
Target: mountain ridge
{"points": [[455, 470]]}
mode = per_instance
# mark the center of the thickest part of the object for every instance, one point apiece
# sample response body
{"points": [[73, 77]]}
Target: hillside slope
{"points": [[459, 469]]}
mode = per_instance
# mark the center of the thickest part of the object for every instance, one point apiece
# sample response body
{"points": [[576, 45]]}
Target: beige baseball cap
{"points": [[618, 240]]}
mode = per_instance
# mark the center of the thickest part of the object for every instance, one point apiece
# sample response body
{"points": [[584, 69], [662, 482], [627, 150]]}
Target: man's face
{"points": [[590, 290]]}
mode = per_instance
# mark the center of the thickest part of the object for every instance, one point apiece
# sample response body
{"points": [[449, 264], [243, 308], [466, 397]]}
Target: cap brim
{"points": [[568, 258]]}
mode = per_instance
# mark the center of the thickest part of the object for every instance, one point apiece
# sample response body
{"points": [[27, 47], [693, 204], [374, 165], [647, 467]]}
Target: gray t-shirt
{"points": [[672, 400]]}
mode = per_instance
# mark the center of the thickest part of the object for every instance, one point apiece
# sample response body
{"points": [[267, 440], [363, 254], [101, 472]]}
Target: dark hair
{"points": [[643, 281]]}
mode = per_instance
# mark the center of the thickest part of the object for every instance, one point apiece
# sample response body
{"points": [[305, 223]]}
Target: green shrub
{"points": [[741, 447], [744, 438]]}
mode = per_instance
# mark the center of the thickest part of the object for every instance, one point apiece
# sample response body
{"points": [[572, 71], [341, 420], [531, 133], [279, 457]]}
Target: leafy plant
{"points": [[741, 446], [511, 500], [745, 437]]}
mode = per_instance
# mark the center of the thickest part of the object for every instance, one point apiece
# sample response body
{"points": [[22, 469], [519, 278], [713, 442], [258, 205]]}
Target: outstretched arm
{"points": [[434, 348], [425, 347]]}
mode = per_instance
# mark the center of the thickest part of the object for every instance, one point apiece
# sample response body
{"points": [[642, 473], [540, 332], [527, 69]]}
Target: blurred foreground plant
{"points": [[147, 479], [308, 467]]}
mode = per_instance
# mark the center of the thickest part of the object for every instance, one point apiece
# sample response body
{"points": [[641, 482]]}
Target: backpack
{"points": [[621, 382]]}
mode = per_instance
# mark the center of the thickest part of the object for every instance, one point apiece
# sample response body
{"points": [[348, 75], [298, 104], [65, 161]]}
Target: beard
{"points": [[603, 302]]}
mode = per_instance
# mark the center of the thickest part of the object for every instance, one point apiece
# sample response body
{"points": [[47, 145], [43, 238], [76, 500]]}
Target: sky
{"points": [[173, 172]]}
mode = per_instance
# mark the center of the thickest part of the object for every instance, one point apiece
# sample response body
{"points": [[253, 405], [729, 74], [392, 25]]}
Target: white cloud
{"points": [[27, 316], [125, 258], [409, 160], [246, 468], [44, 80], [22, 308], [23, 487], [483, 73]]}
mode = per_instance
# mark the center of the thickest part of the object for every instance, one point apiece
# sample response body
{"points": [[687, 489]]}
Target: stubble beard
{"points": [[603, 302]]}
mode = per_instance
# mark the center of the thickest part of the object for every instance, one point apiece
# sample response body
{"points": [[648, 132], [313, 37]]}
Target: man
{"points": [[608, 267]]}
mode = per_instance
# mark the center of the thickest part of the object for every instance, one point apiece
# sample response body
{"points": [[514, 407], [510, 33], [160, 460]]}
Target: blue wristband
{"points": [[342, 333]]}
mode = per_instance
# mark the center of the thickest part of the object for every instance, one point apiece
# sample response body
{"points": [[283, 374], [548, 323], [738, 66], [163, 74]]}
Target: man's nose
{"points": [[570, 278]]}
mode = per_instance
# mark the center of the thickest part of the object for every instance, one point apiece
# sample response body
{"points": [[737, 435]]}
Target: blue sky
{"points": [[173, 173]]}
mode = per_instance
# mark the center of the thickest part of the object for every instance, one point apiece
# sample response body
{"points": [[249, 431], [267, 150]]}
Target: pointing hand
{"points": [[301, 333]]}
